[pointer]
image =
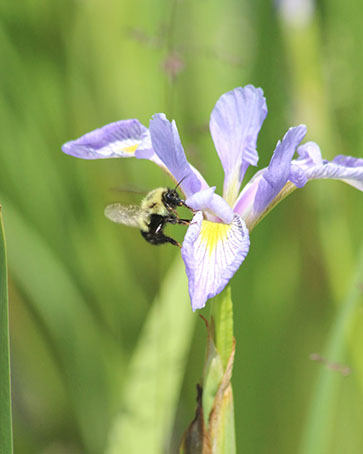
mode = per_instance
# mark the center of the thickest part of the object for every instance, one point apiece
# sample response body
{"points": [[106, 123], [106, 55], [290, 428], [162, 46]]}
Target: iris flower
{"points": [[217, 240]]}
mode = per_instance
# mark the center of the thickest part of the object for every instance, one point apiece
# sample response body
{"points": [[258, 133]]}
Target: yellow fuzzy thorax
{"points": [[211, 233], [153, 202]]}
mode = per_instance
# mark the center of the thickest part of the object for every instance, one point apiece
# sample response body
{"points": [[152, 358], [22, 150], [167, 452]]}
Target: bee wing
{"points": [[124, 214]]}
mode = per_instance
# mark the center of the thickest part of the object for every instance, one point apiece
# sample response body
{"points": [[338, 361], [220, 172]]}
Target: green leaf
{"points": [[157, 368], [319, 430], [6, 435], [83, 355]]}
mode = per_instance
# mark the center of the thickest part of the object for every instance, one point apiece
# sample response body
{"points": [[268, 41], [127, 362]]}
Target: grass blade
{"points": [[6, 435], [157, 368], [83, 355], [319, 430]]}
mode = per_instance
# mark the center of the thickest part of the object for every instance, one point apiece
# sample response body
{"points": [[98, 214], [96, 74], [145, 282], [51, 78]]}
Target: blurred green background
{"points": [[82, 290]]}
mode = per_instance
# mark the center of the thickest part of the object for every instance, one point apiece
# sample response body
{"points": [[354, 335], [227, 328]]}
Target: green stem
{"points": [[221, 417], [212, 430], [222, 315]]}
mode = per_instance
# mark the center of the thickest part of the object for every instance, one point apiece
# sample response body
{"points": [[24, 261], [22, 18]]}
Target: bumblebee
{"points": [[156, 210]]}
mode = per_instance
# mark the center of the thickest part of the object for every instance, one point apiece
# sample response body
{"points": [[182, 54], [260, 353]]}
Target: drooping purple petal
{"points": [[350, 175], [297, 176], [167, 146], [234, 125], [278, 171], [207, 200], [345, 168], [348, 161], [212, 253], [145, 153], [120, 139]]}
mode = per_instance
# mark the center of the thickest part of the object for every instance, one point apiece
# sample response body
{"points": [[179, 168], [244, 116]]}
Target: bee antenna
{"points": [[180, 182]]}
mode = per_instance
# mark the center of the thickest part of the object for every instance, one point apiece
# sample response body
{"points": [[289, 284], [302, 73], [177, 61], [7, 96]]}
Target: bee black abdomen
{"points": [[150, 237]]}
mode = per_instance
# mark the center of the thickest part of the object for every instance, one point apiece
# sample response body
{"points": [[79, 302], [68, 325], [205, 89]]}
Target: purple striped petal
{"points": [[207, 200], [345, 168], [348, 161], [350, 175], [297, 176], [121, 139], [212, 253], [279, 170], [167, 146], [234, 125]]}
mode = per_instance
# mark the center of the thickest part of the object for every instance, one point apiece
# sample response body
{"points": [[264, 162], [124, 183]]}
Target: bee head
{"points": [[171, 199]]}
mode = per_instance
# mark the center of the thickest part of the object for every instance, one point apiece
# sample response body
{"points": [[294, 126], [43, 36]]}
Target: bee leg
{"points": [[172, 241], [191, 209], [159, 238], [171, 220], [184, 221]]}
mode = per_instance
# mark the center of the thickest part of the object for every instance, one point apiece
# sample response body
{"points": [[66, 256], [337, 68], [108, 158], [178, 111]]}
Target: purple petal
{"points": [[245, 201], [309, 155], [234, 124], [297, 176], [167, 146], [308, 166], [348, 161], [199, 201], [120, 139], [350, 175], [206, 200], [212, 253], [278, 171], [145, 153], [221, 209], [345, 168]]}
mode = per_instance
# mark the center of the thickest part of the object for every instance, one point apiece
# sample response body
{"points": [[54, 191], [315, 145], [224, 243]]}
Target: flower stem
{"points": [[212, 431]]}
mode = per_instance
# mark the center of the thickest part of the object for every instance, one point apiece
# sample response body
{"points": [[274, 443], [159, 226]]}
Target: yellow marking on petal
{"points": [[211, 233], [131, 148], [231, 188]]}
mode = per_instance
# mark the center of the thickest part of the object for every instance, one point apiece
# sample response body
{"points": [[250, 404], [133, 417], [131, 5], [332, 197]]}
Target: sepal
{"points": [[212, 253], [121, 139]]}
